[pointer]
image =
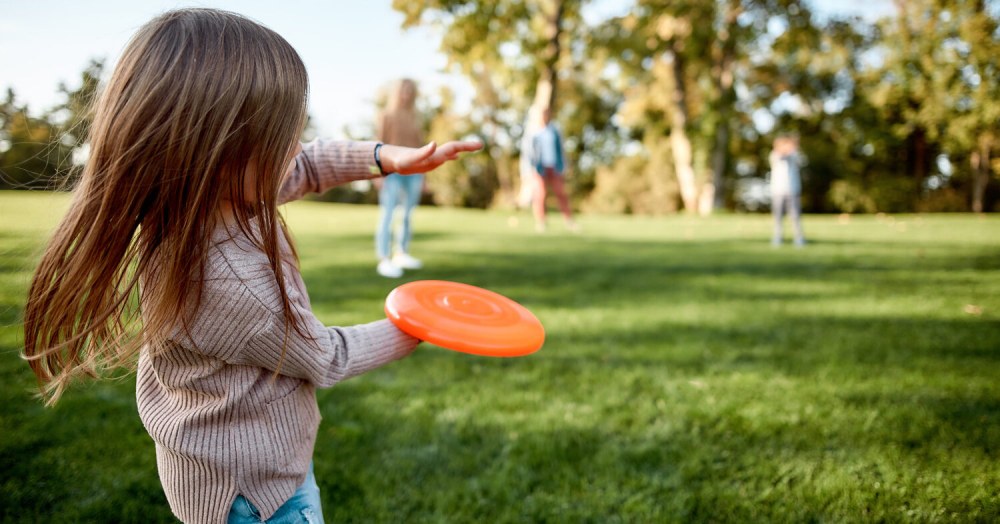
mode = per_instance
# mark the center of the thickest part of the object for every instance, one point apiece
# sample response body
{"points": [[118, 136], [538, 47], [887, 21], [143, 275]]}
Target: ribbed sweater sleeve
{"points": [[323, 164], [334, 353], [240, 321]]}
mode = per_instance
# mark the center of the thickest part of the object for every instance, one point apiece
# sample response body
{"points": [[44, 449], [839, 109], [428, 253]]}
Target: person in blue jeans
{"points": [[399, 125], [397, 191]]}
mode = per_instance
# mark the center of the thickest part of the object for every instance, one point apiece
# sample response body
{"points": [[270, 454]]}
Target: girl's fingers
{"points": [[421, 155], [462, 147], [451, 150], [429, 156], [406, 160]]}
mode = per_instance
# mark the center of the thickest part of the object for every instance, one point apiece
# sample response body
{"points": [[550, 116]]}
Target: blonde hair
{"points": [[199, 98], [400, 124]]}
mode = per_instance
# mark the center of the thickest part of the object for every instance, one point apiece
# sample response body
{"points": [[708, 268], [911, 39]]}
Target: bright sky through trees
{"points": [[350, 48]]}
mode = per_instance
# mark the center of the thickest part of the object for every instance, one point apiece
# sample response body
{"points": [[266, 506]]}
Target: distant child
{"points": [[786, 188], [400, 125], [548, 159], [193, 147]]}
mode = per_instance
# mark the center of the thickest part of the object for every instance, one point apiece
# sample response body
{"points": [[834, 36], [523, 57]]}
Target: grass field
{"points": [[690, 373]]}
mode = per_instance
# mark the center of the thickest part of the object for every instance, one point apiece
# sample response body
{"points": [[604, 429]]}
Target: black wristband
{"points": [[378, 159]]}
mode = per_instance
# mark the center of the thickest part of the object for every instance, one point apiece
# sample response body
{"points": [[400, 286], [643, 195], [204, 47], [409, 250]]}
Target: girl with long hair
{"points": [[174, 259]]}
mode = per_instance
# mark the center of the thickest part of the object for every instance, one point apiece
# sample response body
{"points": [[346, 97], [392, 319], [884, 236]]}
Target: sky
{"points": [[351, 48]]}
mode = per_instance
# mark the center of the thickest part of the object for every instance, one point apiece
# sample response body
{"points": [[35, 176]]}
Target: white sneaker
{"points": [[389, 270], [405, 261]]}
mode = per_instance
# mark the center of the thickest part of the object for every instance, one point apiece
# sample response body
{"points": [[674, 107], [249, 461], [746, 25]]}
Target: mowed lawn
{"points": [[690, 373]]}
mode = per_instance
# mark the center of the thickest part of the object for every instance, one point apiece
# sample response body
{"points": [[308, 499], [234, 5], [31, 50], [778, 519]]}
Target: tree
{"points": [[31, 155], [674, 43], [515, 53], [936, 91], [47, 151], [682, 77], [75, 112], [975, 125], [672, 100]]}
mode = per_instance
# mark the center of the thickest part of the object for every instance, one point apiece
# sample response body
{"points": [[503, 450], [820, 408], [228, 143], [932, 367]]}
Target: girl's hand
{"points": [[409, 160]]}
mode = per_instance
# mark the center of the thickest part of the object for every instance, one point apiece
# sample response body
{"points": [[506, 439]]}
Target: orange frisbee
{"points": [[464, 318]]}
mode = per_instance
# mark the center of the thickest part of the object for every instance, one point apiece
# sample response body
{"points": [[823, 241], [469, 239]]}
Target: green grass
{"points": [[690, 373]]}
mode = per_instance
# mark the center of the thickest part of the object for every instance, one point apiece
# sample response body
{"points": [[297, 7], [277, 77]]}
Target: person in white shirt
{"points": [[786, 188]]}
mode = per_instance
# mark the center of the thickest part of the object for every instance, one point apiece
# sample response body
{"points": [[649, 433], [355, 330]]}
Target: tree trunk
{"points": [[720, 158], [980, 172], [488, 99], [680, 143], [920, 159], [545, 92], [505, 179], [723, 57]]}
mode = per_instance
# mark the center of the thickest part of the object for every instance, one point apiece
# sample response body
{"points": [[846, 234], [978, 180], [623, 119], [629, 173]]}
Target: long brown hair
{"points": [[199, 99]]}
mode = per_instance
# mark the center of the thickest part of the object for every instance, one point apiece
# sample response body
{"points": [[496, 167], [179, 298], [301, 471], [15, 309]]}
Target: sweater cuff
{"points": [[375, 344], [355, 162]]}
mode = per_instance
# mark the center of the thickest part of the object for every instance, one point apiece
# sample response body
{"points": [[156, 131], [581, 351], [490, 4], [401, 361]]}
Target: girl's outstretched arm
{"points": [[323, 164]]}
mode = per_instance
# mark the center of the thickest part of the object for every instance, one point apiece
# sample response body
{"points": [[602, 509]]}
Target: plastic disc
{"points": [[464, 318]]}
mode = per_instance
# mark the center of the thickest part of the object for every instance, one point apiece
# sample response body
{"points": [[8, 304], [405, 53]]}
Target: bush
{"points": [[848, 197], [946, 200], [892, 194], [638, 184], [618, 187]]}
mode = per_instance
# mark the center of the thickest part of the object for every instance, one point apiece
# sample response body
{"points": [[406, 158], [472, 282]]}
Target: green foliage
{"points": [[934, 93], [30, 153], [505, 48], [875, 104], [642, 184], [947, 200], [691, 373], [849, 198], [897, 114], [470, 181], [888, 194], [38, 152]]}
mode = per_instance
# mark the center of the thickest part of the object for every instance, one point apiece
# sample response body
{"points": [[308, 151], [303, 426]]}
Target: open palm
{"points": [[409, 160]]}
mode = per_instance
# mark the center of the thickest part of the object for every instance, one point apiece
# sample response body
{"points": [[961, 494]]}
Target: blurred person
{"points": [[786, 188], [529, 175], [399, 124], [548, 161]]}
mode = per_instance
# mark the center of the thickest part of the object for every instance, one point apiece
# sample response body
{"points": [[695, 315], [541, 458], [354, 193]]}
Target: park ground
{"points": [[691, 372]]}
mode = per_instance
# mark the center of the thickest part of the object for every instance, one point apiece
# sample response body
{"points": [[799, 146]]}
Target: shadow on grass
{"points": [[648, 415], [566, 273], [638, 462]]}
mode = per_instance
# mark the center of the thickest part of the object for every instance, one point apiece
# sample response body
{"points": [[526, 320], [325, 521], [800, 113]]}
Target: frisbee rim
{"points": [[407, 308]]}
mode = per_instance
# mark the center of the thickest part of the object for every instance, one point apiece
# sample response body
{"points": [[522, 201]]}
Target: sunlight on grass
{"points": [[690, 373]]}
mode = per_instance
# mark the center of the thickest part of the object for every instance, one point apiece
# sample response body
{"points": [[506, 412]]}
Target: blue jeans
{"points": [[780, 204], [303, 508], [396, 189]]}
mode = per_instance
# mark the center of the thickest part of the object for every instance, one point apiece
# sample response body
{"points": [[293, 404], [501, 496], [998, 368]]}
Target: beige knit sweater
{"points": [[222, 424]]}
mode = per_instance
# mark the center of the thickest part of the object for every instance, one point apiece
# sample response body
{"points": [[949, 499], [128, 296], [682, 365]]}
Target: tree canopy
{"points": [[673, 105]]}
